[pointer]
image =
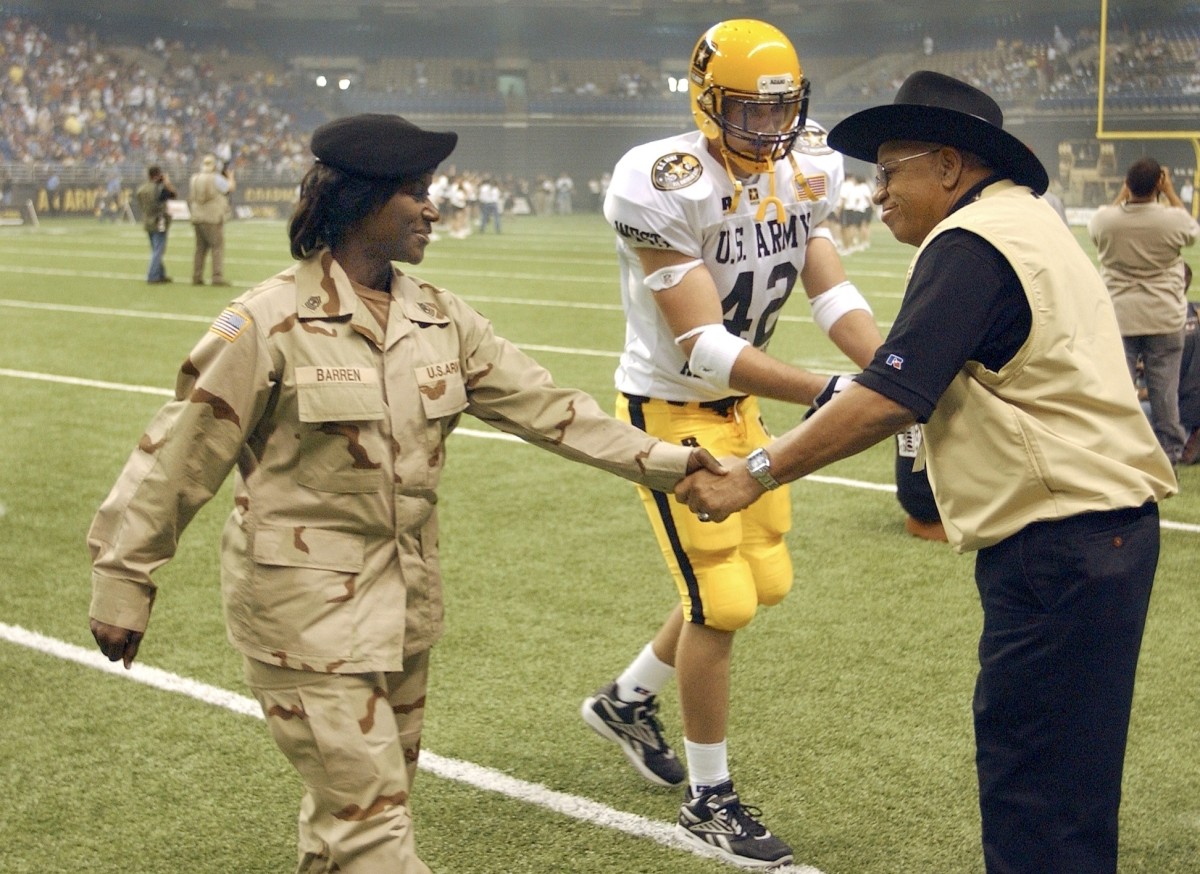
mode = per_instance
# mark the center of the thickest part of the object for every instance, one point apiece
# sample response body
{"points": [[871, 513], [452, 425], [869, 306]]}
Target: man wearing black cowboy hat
{"points": [[1038, 454]]}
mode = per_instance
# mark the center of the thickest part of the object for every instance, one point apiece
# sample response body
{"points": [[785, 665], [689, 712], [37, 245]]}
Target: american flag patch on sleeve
{"points": [[230, 324]]}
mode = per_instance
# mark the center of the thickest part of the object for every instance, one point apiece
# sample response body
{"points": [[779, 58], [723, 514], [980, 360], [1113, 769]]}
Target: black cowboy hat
{"points": [[379, 146], [933, 108]]}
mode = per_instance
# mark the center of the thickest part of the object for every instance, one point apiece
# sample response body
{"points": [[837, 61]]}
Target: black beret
{"points": [[380, 146]]}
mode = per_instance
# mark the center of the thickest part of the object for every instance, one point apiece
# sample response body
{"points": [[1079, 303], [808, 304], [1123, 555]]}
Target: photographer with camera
{"points": [[208, 201], [1138, 240]]}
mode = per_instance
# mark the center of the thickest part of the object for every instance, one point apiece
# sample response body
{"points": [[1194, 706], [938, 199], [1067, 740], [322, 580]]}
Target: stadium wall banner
{"points": [[265, 201], [256, 201], [73, 200]]}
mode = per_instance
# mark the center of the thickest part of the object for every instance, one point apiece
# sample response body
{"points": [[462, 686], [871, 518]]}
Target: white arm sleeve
{"points": [[669, 277], [713, 354], [833, 303]]}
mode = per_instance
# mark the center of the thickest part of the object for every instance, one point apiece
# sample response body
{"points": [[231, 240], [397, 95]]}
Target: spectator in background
{"points": [[543, 196], [152, 199], [1138, 242], [1053, 198], [490, 204], [856, 213], [564, 192], [54, 193], [1189, 379], [208, 201]]}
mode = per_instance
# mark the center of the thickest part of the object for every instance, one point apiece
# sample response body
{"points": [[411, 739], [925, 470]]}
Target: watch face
{"points": [[758, 463]]}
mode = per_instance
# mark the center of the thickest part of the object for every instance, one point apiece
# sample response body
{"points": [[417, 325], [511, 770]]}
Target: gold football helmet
{"points": [[748, 92]]}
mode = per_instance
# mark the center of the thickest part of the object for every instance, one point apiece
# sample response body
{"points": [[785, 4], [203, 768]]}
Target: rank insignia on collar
{"points": [[313, 303]]}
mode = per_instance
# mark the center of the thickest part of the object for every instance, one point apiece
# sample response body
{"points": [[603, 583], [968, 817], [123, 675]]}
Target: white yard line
{"points": [[478, 776]]}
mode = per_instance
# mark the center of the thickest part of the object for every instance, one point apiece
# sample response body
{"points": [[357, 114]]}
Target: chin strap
{"points": [[770, 199], [801, 179], [737, 183]]}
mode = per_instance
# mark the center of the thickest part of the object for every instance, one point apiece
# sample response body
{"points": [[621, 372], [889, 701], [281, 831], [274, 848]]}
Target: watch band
{"points": [[758, 465]]}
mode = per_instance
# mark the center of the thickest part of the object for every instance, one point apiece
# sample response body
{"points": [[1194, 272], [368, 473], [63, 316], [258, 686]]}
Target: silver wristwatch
{"points": [[758, 465]]}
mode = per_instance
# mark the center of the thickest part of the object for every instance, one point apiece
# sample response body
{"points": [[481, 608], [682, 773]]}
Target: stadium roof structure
{"points": [[804, 15]]}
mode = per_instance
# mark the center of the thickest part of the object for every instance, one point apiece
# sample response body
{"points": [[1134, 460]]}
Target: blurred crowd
{"points": [[1018, 71], [72, 100]]}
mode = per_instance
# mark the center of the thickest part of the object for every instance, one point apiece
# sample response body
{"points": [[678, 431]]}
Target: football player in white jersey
{"points": [[715, 228]]}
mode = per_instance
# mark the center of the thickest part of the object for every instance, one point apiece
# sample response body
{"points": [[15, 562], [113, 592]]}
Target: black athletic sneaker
{"points": [[635, 728], [718, 824]]}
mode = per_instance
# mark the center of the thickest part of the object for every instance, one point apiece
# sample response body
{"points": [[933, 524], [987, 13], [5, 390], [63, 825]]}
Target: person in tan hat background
{"points": [[1006, 349], [332, 388], [208, 201], [1139, 238]]}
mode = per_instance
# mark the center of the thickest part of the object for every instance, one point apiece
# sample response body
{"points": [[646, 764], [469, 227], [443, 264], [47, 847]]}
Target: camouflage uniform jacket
{"points": [[329, 559]]}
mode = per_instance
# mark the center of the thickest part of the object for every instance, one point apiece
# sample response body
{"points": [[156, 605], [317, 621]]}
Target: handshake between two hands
{"points": [[714, 490]]}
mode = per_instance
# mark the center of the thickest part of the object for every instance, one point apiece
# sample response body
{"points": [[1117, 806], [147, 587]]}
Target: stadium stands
{"points": [[75, 101]]}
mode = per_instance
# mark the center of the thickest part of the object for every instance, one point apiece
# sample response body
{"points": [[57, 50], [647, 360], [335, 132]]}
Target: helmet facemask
{"points": [[757, 129]]}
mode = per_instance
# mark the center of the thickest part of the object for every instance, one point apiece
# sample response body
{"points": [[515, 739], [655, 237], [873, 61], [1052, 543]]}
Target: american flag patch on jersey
{"points": [[230, 324], [812, 187]]}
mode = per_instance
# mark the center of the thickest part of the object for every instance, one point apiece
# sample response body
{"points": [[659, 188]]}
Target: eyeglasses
{"points": [[883, 171]]}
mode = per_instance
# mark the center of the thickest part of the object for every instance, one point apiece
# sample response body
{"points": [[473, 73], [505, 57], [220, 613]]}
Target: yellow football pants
{"points": [[723, 570]]}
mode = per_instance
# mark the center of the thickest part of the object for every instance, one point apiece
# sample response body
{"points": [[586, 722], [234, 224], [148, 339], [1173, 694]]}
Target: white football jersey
{"points": [[672, 194]]}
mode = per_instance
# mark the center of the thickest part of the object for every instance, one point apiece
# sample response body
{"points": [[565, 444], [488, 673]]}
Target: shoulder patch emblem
{"points": [[230, 324], [813, 140], [675, 171]]}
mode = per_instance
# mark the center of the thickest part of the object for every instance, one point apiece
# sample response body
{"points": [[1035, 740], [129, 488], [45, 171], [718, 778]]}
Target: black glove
{"points": [[835, 386]]}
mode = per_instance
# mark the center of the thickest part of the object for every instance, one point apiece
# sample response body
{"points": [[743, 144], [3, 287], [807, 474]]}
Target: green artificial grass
{"points": [[851, 724]]}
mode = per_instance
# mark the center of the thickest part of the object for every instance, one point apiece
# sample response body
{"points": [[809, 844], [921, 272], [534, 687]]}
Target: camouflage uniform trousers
{"points": [[354, 739]]}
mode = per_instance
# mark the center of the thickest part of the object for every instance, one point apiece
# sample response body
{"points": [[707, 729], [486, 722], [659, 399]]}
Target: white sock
{"points": [[708, 764], [645, 676]]}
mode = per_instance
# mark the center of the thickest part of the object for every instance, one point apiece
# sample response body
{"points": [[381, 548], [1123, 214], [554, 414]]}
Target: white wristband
{"points": [[713, 354], [833, 303]]}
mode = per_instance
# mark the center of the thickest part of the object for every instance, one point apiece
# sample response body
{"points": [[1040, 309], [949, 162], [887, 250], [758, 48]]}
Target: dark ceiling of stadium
{"points": [[816, 15]]}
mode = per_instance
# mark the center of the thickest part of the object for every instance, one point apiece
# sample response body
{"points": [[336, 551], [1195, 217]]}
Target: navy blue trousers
{"points": [[1064, 607]]}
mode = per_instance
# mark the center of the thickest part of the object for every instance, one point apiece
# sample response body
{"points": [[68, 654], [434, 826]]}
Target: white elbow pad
{"points": [[669, 277], [833, 303], [713, 354]]}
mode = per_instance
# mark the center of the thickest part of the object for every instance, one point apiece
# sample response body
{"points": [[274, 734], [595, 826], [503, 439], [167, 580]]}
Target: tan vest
{"points": [[205, 201], [1058, 430]]}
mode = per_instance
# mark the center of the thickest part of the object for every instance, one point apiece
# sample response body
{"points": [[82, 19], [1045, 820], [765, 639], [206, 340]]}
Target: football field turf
{"points": [[851, 721]]}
